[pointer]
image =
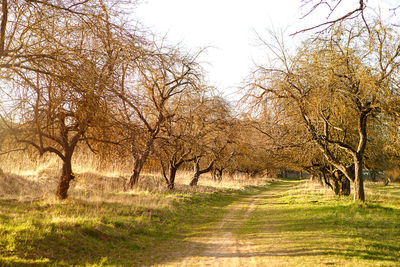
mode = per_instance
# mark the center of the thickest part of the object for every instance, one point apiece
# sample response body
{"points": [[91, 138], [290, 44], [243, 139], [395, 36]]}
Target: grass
{"points": [[295, 223], [305, 226], [101, 228]]}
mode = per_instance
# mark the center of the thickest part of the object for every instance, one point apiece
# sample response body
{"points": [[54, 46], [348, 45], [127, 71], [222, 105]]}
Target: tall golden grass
{"points": [[28, 176]]}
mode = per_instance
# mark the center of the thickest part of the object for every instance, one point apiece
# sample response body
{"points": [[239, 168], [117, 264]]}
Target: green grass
{"points": [[293, 224], [302, 227], [97, 233]]}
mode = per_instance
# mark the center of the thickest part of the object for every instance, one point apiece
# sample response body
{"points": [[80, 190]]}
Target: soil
{"points": [[219, 246]]}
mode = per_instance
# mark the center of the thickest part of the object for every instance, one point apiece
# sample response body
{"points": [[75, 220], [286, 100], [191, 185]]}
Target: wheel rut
{"points": [[219, 245]]}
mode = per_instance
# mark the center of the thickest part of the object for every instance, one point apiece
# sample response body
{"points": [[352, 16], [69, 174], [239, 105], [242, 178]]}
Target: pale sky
{"points": [[228, 28]]}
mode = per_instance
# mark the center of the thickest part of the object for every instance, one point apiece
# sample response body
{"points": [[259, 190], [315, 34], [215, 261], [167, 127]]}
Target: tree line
{"points": [[79, 73], [333, 101]]}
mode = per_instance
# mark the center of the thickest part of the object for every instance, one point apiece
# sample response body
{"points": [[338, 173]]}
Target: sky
{"points": [[228, 29]]}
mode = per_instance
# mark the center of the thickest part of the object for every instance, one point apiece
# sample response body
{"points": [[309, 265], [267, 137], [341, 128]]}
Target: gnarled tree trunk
{"points": [[172, 175], [198, 172], [341, 185], [137, 168], [66, 177], [140, 160], [173, 167], [195, 179], [332, 178]]}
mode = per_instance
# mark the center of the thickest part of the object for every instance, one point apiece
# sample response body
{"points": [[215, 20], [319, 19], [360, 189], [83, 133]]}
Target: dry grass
{"points": [[99, 222], [103, 223], [27, 178], [91, 186]]}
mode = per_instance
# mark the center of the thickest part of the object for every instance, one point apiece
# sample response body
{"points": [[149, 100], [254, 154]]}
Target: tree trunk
{"points": [[335, 186], [219, 174], [140, 160], [65, 179], [214, 174], [198, 172], [134, 179], [345, 186], [195, 179], [341, 183], [358, 181], [172, 174], [358, 159], [137, 168], [325, 179], [341, 187]]}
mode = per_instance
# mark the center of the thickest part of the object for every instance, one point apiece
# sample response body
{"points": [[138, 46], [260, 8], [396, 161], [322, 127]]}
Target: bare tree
{"points": [[176, 141], [213, 120], [333, 86], [336, 14], [332, 6], [57, 94], [151, 81], [22, 20]]}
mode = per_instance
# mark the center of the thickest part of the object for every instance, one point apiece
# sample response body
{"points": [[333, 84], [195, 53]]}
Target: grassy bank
{"points": [[121, 229], [307, 226]]}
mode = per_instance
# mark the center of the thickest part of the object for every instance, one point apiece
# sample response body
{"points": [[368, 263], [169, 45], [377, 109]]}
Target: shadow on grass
{"points": [[371, 240], [213, 250], [69, 233], [339, 227], [120, 235]]}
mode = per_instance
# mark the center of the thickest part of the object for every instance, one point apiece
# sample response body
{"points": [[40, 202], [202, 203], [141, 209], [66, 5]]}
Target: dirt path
{"points": [[219, 246]]}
